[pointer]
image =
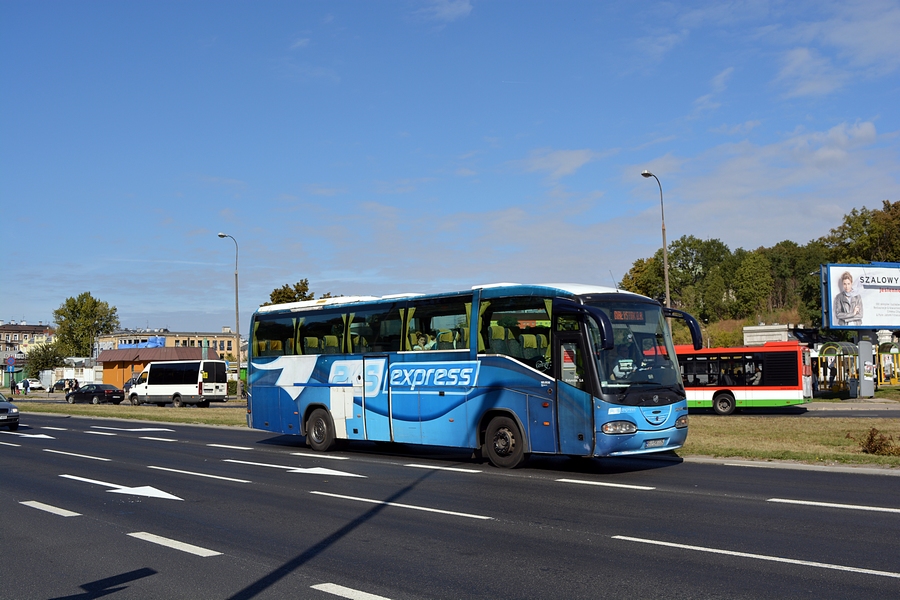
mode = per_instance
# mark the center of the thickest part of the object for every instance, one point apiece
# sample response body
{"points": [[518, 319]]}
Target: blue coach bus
{"points": [[509, 369]]}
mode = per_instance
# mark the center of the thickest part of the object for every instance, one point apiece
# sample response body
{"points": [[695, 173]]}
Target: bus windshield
{"points": [[642, 360]]}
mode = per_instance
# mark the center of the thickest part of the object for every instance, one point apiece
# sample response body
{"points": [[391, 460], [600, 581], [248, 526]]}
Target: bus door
{"points": [[573, 395], [372, 397]]}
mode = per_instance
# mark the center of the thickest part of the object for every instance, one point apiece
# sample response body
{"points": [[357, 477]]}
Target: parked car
{"points": [[60, 385], [129, 383], [95, 393], [33, 384], [9, 414]]}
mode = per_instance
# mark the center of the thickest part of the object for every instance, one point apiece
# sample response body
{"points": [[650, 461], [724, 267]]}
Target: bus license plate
{"points": [[655, 443]]}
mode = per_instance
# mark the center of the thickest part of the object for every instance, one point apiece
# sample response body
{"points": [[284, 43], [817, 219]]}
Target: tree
{"points": [[296, 293], [753, 283], [866, 236], [43, 357], [80, 321]]}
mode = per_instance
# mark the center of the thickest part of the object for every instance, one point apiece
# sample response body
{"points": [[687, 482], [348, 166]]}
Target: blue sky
{"points": [[417, 146]]}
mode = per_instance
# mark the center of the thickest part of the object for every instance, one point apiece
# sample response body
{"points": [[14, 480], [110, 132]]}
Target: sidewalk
{"points": [[855, 404]]}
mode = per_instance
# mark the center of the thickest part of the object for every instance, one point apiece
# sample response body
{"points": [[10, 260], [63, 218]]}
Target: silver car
{"points": [[9, 414]]}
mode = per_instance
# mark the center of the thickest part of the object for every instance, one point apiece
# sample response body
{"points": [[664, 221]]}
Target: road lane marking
{"points": [[345, 592], [8, 444], [77, 455], [227, 447], [37, 436], [310, 471], [50, 509], [55, 428], [156, 439], [169, 543], [199, 474], [410, 506], [604, 484], [791, 561], [100, 433], [833, 505], [319, 455], [454, 469], [143, 490], [141, 429]]}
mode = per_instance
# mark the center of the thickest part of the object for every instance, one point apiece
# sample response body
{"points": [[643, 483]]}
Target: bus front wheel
{"points": [[723, 404], [320, 431], [504, 444]]}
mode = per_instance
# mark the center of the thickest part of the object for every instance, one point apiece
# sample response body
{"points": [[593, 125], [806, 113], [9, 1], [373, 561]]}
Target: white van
{"points": [[181, 382]]}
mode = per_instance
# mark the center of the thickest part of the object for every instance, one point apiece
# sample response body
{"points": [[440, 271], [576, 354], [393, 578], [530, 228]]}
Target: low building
{"points": [[223, 342]]}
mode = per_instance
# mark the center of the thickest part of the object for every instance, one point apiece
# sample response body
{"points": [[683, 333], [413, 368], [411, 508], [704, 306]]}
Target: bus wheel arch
{"points": [[177, 402], [320, 430], [503, 440], [723, 403]]}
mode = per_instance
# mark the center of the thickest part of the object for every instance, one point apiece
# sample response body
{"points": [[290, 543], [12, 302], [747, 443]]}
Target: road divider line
{"points": [[175, 544], [454, 469], [227, 447], [345, 592], [77, 455], [409, 506], [833, 505], [790, 561], [605, 484], [50, 509], [319, 455], [133, 429], [8, 444], [199, 474], [156, 439], [100, 433], [55, 428]]}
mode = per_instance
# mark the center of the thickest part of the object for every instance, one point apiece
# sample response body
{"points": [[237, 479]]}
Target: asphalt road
{"points": [[93, 507]]}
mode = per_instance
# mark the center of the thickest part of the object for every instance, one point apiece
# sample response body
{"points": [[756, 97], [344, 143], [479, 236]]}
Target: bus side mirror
{"points": [[691, 322]]}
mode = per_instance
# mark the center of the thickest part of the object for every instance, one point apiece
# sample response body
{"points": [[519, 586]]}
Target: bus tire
{"points": [[177, 402], [320, 431], [723, 404], [504, 444]]}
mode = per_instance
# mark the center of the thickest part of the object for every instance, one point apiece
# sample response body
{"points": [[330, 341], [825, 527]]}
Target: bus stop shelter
{"points": [[888, 362], [839, 368]]}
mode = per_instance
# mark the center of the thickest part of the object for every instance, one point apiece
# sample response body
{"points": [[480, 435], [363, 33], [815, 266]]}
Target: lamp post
{"points": [[665, 248], [237, 314]]}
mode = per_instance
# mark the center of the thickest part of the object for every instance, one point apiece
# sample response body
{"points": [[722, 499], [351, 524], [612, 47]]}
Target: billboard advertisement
{"points": [[861, 296]]}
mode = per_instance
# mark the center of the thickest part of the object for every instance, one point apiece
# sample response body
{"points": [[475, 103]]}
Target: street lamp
{"points": [[237, 314], [665, 249]]}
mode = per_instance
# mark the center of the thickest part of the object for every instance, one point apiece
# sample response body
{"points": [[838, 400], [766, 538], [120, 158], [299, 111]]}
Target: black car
{"points": [[96, 393], [9, 414], [59, 386]]}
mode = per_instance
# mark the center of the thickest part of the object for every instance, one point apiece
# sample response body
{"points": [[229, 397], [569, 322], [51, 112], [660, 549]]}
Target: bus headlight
{"points": [[681, 422], [619, 427]]}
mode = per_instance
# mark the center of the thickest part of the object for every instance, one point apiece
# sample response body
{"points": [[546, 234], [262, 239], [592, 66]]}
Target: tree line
{"points": [[714, 283]]}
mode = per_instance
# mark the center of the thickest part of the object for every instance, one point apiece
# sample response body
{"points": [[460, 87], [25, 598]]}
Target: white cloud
{"points": [[444, 10], [805, 72], [559, 163], [300, 43]]}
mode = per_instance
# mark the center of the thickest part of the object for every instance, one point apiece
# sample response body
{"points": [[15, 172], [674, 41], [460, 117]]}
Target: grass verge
{"points": [[808, 439]]}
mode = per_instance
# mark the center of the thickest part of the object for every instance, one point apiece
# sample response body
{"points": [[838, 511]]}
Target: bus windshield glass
{"points": [[642, 360]]}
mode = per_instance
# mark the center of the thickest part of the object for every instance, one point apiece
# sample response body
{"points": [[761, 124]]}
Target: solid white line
{"points": [[78, 455], [454, 469], [86, 480], [604, 484], [55, 428], [833, 505], [345, 592], [199, 474], [319, 455], [190, 548], [229, 447], [156, 439], [50, 509], [395, 504], [100, 433], [791, 561], [8, 444]]}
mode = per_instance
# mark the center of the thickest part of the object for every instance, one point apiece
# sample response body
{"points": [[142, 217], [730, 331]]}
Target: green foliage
{"points": [[296, 293], [43, 357], [80, 320]]}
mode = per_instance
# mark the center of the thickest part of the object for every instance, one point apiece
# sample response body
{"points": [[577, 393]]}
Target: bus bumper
{"points": [[641, 442]]}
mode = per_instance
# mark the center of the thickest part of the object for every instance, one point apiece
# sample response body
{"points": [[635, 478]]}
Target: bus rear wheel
{"points": [[504, 444], [723, 404], [320, 430]]}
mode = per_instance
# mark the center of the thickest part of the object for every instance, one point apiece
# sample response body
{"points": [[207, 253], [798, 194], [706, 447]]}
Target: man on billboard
{"points": [[847, 307]]}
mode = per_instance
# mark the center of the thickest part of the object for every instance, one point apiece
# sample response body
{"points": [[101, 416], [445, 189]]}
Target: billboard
{"points": [[861, 296]]}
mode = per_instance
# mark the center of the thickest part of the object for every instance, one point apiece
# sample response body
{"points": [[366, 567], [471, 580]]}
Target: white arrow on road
{"points": [[311, 471], [144, 490], [37, 436]]}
